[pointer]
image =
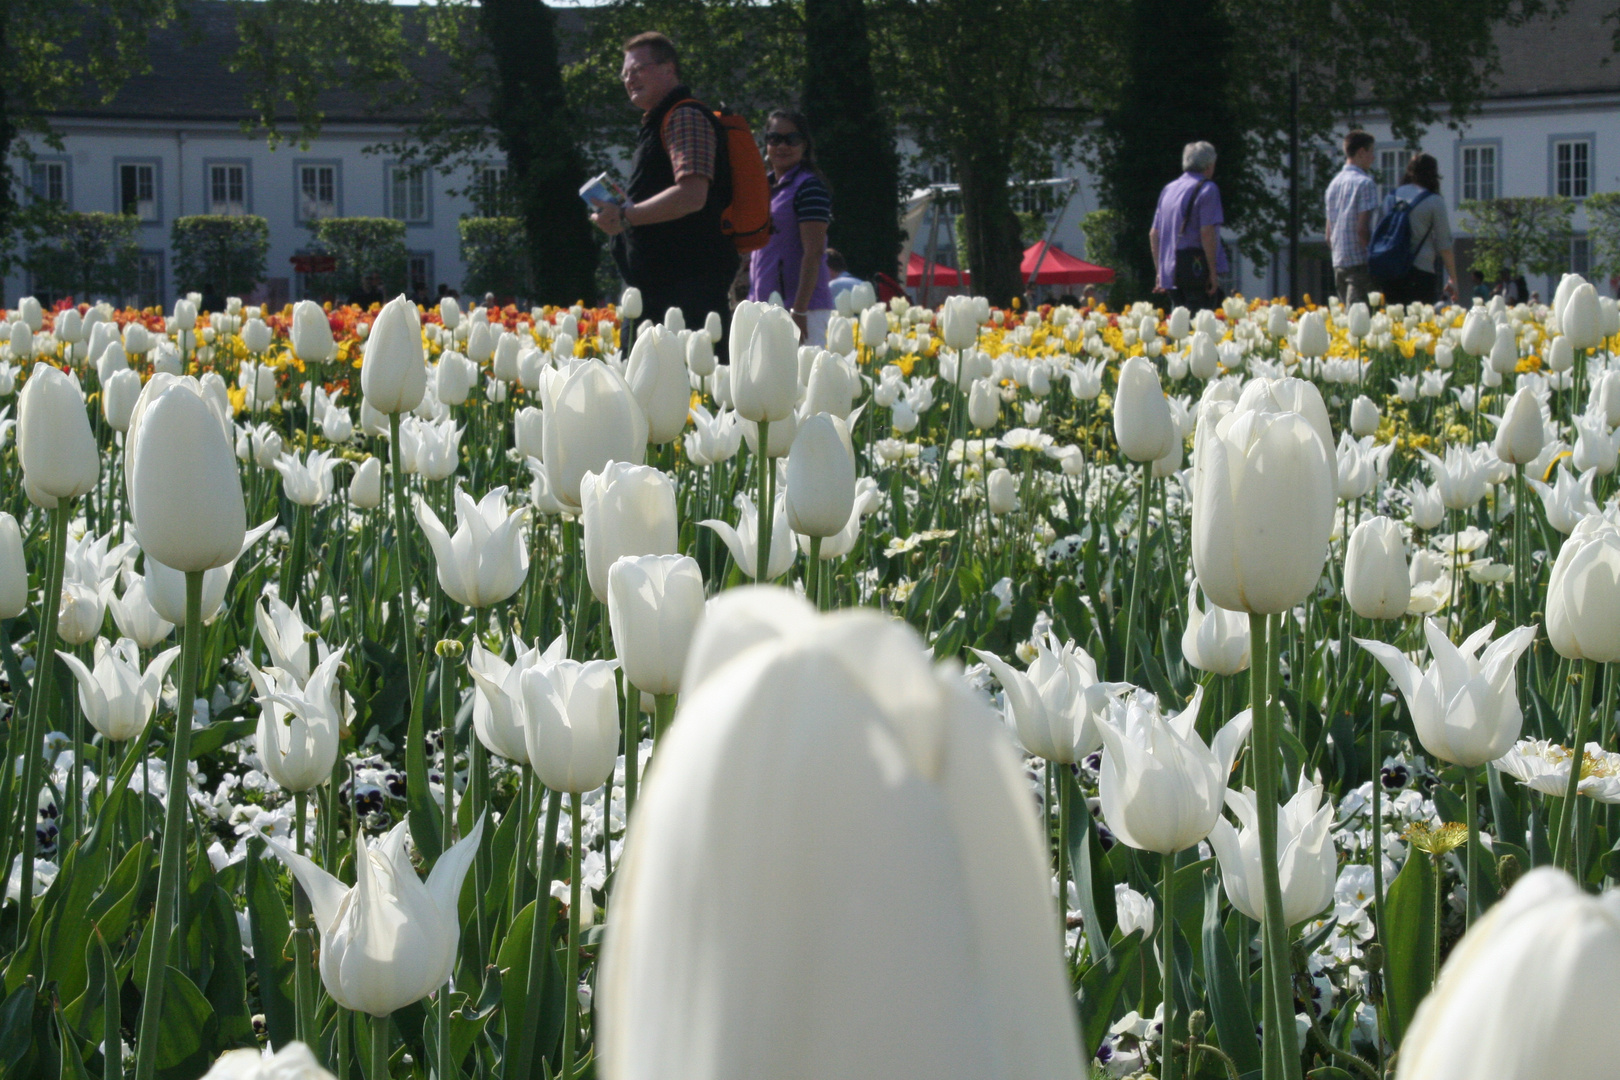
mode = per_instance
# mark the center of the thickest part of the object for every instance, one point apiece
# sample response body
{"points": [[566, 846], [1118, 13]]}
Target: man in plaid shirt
{"points": [[1352, 198]]}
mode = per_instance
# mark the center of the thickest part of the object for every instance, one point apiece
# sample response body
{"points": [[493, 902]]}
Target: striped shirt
{"points": [[1352, 191], [812, 202], [689, 140]]}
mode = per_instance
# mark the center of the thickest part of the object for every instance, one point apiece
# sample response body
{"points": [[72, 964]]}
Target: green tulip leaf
{"points": [[1100, 987], [269, 929], [188, 1038], [1409, 937], [1224, 983]]}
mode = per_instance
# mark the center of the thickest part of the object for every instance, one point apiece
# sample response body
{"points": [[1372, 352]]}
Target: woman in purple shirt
{"points": [[793, 263]]}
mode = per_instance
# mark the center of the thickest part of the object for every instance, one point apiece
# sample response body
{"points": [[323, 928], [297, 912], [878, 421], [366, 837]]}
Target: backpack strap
{"points": [[1186, 207]]}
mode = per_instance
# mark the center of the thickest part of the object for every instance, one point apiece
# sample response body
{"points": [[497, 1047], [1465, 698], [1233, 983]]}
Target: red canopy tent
{"points": [[1061, 268], [943, 276]]}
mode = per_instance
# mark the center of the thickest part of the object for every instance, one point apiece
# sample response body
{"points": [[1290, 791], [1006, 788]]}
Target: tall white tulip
{"points": [[1527, 993], [765, 383], [1263, 491], [365, 490], [1364, 417], [1215, 640], [311, 334], [654, 605], [1056, 705], [1307, 859], [1520, 434], [820, 488], [626, 510], [743, 540], [119, 392], [1161, 787], [571, 725], [886, 900], [286, 638], [1478, 333], [1464, 706], [393, 372], [1143, 425], [1312, 339], [592, 418], [13, 569], [1583, 593], [486, 560], [454, 377], [185, 495], [658, 377], [116, 695], [391, 939], [1376, 581], [1582, 320], [297, 736], [54, 443]]}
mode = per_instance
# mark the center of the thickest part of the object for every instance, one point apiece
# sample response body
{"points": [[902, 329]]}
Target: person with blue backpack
{"points": [[1413, 239]]}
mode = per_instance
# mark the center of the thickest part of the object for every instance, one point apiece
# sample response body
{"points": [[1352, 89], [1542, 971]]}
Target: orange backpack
{"points": [[747, 218]]}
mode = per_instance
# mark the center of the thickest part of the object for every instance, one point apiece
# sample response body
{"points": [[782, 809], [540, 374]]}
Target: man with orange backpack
{"points": [[678, 234]]}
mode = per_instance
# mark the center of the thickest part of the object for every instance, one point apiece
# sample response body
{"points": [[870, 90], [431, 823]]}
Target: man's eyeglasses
{"points": [[784, 138], [632, 70]]}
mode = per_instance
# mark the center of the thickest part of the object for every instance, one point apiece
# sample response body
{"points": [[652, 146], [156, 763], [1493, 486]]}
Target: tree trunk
{"points": [[1176, 91], [537, 129], [854, 145], [994, 240]]}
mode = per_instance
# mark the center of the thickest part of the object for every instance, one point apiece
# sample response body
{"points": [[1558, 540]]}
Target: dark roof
{"points": [[1571, 54]]}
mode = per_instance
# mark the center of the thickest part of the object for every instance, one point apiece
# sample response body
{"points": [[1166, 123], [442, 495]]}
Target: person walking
{"points": [[667, 238], [1430, 227], [1185, 238], [1352, 199], [793, 262]]}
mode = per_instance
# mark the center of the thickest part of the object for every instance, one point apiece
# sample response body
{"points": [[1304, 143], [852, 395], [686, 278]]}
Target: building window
{"points": [[419, 275], [149, 279], [317, 192], [1580, 255], [1388, 170], [137, 190], [489, 192], [940, 173], [1572, 168], [227, 189], [1478, 172], [408, 194], [48, 181]]}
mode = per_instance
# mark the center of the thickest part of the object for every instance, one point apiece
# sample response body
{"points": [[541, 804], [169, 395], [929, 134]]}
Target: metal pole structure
{"points": [[933, 234], [1293, 173], [1051, 231]]}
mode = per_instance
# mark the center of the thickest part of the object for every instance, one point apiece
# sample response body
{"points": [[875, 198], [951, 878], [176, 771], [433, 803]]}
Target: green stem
{"points": [[571, 976], [303, 954], [1136, 573], [663, 714], [379, 1048], [1282, 1051], [447, 1067], [812, 573], [517, 1067], [170, 869], [1167, 962], [762, 554], [1563, 850], [34, 737], [1471, 794], [407, 614], [483, 862]]}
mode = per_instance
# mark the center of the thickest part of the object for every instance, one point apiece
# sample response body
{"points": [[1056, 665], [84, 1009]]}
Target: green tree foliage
{"points": [[88, 256], [1520, 236], [1001, 90], [1176, 90], [1106, 241], [219, 254], [57, 55], [854, 140], [1603, 229], [1221, 72], [484, 80], [494, 249], [362, 246]]}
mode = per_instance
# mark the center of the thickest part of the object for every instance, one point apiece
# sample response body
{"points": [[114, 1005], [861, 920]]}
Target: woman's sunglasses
{"points": [[784, 138]]}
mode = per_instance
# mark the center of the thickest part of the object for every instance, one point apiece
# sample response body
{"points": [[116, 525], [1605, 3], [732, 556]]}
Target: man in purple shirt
{"points": [[1187, 255]]}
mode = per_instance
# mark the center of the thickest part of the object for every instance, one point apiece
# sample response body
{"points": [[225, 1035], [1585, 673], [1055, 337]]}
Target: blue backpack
{"points": [[1389, 256]]}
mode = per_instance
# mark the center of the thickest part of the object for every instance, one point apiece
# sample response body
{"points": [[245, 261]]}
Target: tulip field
{"points": [[514, 695]]}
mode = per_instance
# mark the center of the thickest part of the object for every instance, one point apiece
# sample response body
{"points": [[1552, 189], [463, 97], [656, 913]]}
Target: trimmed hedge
{"points": [[88, 256], [363, 246], [495, 251], [218, 254]]}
